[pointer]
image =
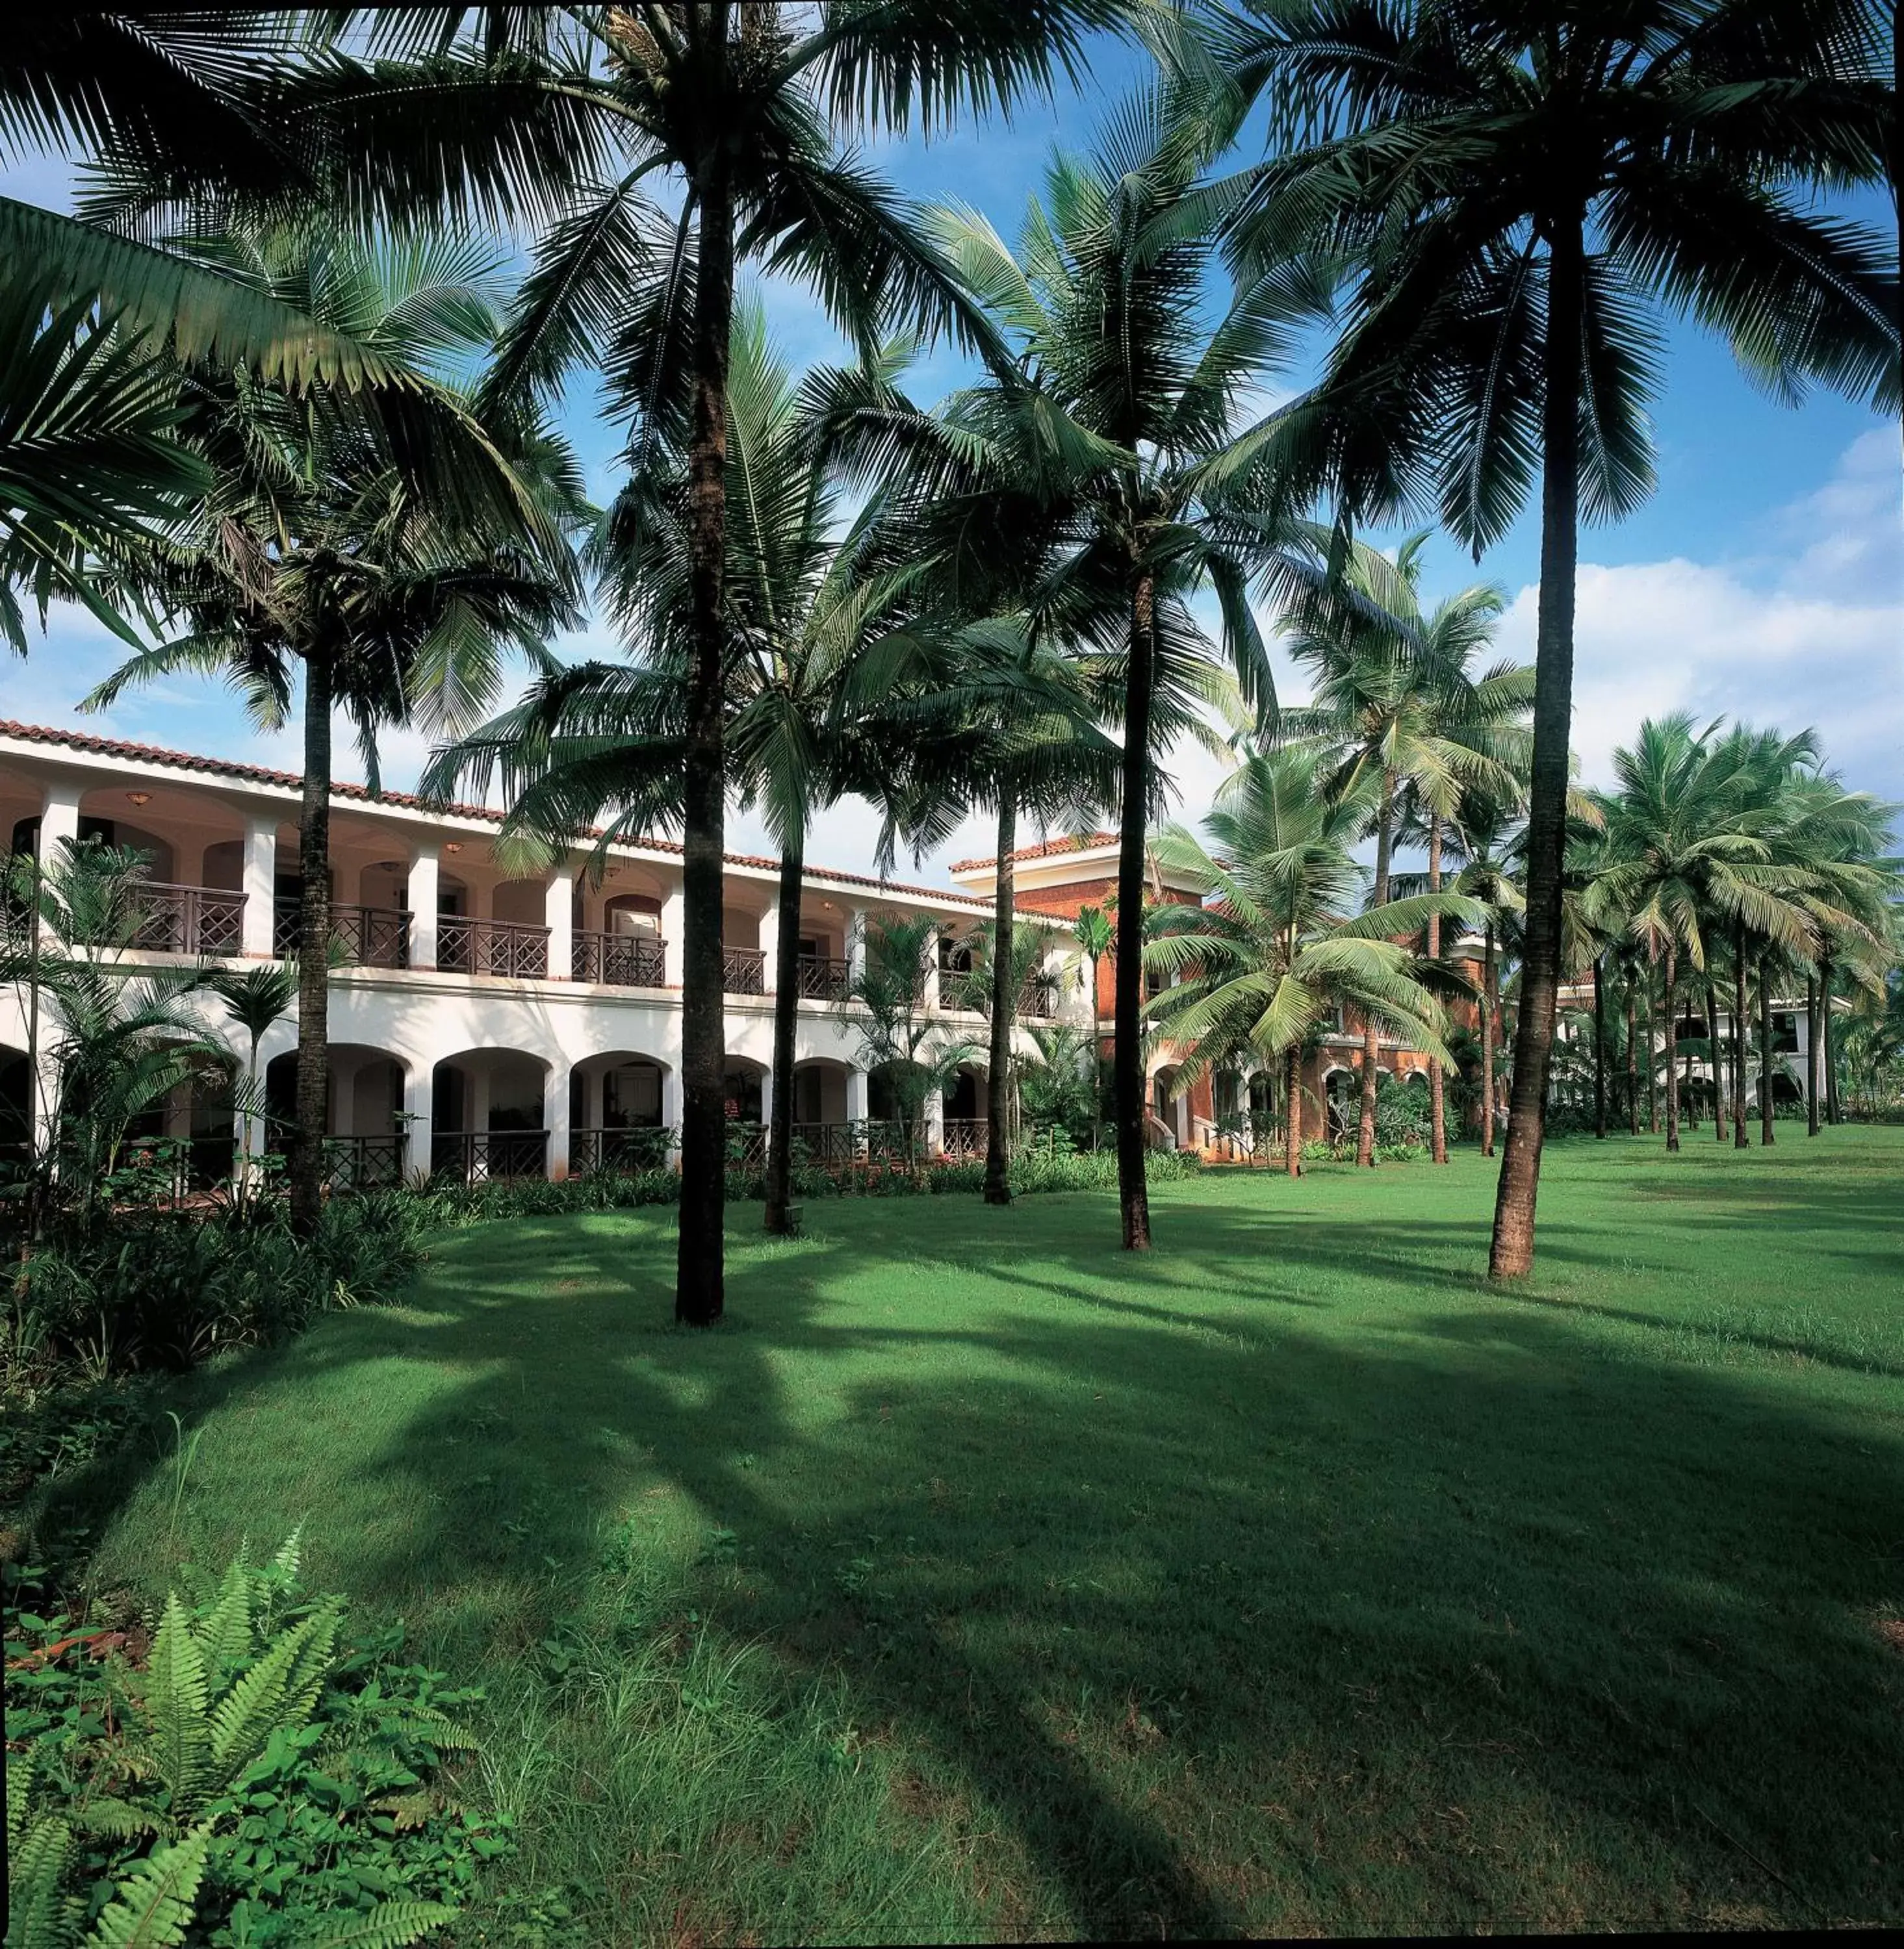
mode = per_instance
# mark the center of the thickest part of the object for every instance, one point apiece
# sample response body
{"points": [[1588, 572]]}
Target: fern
{"points": [[389, 1925], [153, 1906], [177, 1699], [44, 1917], [312, 1666], [225, 1634], [243, 1720]]}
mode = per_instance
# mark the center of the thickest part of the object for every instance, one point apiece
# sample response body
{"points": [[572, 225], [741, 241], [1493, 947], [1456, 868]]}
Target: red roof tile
{"points": [[262, 774], [1070, 842]]}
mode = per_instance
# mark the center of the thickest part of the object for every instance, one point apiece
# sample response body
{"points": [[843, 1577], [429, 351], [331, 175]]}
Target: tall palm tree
{"points": [[1276, 946], [654, 148], [1484, 845], [311, 556], [1522, 182], [823, 636], [1393, 684], [1115, 437]]}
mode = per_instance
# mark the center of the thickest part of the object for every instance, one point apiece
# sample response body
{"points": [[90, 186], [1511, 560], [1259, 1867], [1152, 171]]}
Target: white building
{"points": [[486, 1021]]}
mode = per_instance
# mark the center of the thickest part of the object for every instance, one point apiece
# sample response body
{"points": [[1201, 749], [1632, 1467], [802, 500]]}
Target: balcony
{"points": [[364, 937], [621, 960], [626, 1148], [743, 971], [964, 1138], [488, 1157], [187, 920], [512, 950], [819, 977]]}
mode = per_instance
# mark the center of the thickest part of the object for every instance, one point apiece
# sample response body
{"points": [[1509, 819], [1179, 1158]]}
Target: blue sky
{"points": [[1764, 579]]}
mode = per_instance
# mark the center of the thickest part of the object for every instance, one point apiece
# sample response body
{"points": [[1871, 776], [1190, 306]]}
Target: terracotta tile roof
{"points": [[262, 774], [1070, 842]]}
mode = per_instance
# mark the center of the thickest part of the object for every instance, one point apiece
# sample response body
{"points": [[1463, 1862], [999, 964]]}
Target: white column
{"points": [[766, 1096], [59, 819], [934, 1123], [260, 880], [555, 1119], [671, 1108], [856, 944], [674, 916], [931, 1001], [770, 944], [419, 1103], [420, 893], [856, 1095], [558, 916]]}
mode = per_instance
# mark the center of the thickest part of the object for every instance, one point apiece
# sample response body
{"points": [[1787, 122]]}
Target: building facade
{"points": [[485, 1020]]}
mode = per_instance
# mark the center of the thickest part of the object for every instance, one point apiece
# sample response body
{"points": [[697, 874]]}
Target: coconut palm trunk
{"points": [[1371, 1033], [313, 1067], [1489, 1001], [1293, 1111], [786, 1018], [1512, 1254], [1671, 999], [1834, 1109], [1437, 1083], [998, 1170], [699, 1288], [1813, 1067], [1717, 1062], [1652, 1055], [1127, 1004], [1766, 1135], [1599, 1049], [1632, 1058], [1741, 1040]]}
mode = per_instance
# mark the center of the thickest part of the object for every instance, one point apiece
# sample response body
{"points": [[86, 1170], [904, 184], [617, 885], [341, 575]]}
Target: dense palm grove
{"points": [[281, 405]]}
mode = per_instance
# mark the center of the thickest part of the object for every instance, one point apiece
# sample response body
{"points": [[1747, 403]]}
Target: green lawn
{"points": [[977, 1580]]}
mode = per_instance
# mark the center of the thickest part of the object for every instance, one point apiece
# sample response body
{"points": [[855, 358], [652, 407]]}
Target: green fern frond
{"points": [[153, 1905], [117, 1820], [284, 1562], [312, 1666], [246, 1716], [19, 1786], [422, 1722], [389, 1925], [177, 1701], [42, 1916], [225, 1633]]}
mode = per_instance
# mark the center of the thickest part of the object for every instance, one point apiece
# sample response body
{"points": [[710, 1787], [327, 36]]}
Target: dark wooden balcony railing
{"points": [[511, 949], [621, 960], [1038, 1001], [488, 1157], [743, 971], [642, 1147], [372, 1162], [367, 937], [821, 977], [965, 1139], [747, 1145], [826, 1143], [187, 920]]}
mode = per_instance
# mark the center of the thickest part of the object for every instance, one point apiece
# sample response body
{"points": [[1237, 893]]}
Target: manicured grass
{"points": [[976, 1579]]}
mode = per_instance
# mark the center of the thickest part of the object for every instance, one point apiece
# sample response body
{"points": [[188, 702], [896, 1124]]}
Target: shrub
{"points": [[248, 1773]]}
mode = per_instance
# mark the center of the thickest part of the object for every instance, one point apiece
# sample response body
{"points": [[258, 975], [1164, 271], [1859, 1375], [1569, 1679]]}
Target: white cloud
{"points": [[1810, 633]]}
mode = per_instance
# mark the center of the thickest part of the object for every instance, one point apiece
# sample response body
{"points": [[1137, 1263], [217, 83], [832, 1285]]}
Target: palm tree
{"points": [[1275, 947], [730, 110], [1115, 442], [1519, 181], [821, 639], [255, 1001], [1091, 930], [1686, 852], [1484, 844], [1393, 684], [311, 553]]}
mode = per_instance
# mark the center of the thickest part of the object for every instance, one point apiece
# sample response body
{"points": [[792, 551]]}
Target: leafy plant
{"points": [[251, 1776]]}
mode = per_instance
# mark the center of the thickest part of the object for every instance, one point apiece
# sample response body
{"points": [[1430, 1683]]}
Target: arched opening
{"points": [[16, 1113], [1169, 1121], [966, 1107], [1342, 1095], [822, 1131], [487, 1116], [363, 1125], [617, 1113]]}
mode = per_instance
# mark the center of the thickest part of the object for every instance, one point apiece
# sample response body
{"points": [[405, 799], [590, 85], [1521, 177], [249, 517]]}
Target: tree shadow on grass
{"points": [[1367, 1628]]}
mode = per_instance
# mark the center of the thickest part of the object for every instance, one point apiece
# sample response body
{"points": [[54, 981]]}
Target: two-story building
{"points": [[485, 1021]]}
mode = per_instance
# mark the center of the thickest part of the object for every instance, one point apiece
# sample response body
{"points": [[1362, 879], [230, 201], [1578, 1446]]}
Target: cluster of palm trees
{"points": [[1728, 866], [264, 398]]}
